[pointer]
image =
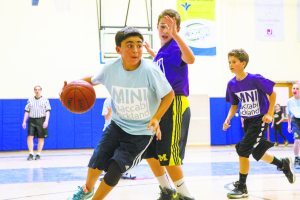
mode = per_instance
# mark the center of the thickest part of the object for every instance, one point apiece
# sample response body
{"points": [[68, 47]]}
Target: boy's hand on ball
{"points": [[65, 84]]}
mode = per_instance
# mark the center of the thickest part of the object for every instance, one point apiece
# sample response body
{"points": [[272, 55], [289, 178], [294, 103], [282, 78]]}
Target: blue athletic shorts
{"points": [[295, 123], [117, 145]]}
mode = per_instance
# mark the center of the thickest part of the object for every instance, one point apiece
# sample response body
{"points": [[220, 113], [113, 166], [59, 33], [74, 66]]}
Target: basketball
{"points": [[78, 96]]}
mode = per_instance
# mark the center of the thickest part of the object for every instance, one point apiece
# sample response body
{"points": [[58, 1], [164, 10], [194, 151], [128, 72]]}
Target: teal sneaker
{"points": [[80, 195]]}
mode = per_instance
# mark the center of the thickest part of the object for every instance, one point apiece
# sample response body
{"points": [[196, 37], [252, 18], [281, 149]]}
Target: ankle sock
{"points": [[277, 162], [181, 188], [243, 178], [164, 181]]}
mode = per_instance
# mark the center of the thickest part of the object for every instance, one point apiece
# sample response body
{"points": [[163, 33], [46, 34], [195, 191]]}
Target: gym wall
{"points": [[58, 40]]}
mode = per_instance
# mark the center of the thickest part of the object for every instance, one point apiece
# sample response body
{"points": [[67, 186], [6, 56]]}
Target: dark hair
{"points": [[240, 54], [277, 104], [171, 13], [126, 32]]}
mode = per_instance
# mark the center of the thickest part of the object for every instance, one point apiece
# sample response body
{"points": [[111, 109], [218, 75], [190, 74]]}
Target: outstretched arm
{"points": [[88, 79], [186, 53], [149, 49]]}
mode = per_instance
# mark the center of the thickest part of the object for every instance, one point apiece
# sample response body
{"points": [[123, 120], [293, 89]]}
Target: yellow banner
{"points": [[189, 9], [198, 27]]}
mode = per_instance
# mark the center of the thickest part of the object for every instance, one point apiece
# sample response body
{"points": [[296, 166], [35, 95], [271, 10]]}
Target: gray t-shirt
{"points": [[293, 107], [106, 106], [136, 95]]}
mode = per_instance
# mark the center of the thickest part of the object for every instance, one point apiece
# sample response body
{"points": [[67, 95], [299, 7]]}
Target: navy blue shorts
{"points": [[295, 123], [117, 145], [35, 128]]}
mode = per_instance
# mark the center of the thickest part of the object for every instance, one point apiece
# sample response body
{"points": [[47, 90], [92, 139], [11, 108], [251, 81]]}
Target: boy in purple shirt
{"points": [[256, 97], [166, 155]]}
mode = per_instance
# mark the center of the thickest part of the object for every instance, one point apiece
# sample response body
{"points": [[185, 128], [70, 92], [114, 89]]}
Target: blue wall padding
{"points": [[289, 136], [217, 117], [218, 112], [66, 130], [12, 124], [1, 125]]}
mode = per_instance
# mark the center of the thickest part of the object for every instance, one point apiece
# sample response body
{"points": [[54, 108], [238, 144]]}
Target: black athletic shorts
{"points": [[35, 128], [254, 141], [174, 127], [117, 145]]}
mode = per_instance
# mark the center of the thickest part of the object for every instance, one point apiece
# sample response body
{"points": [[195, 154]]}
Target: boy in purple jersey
{"points": [[167, 155], [257, 98]]}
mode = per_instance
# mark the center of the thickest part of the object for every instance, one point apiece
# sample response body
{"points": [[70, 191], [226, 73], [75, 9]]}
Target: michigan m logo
{"points": [[162, 157]]}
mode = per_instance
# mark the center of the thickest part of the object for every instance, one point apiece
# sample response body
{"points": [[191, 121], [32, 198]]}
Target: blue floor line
{"points": [[59, 174]]}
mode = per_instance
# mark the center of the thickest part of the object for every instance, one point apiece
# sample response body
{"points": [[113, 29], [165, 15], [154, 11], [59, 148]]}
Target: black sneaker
{"points": [[37, 157], [239, 191], [181, 197], [30, 157], [168, 194], [287, 169]]}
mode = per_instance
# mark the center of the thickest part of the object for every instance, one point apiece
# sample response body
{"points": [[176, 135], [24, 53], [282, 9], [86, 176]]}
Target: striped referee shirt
{"points": [[37, 108]]}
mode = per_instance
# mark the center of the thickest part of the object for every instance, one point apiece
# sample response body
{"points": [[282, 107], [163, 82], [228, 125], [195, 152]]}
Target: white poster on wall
{"points": [[269, 16], [282, 95]]}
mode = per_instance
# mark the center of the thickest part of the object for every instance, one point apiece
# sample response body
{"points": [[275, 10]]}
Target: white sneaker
{"points": [[128, 175]]}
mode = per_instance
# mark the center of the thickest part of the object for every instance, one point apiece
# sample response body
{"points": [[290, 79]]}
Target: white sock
{"points": [[164, 181], [181, 188]]}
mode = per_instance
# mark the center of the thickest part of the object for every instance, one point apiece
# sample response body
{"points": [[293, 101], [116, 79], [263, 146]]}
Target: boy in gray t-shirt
{"points": [[140, 96], [293, 111]]}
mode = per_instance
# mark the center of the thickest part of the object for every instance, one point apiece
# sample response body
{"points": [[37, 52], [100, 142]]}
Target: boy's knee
{"points": [[241, 152], [113, 174], [261, 149]]}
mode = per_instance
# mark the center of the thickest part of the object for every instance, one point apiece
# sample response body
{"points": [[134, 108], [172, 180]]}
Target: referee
{"points": [[37, 110]]}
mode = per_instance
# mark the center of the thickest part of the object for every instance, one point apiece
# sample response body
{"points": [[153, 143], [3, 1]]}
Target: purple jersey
{"points": [[175, 69], [252, 92]]}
